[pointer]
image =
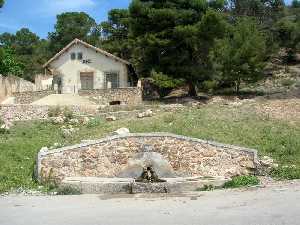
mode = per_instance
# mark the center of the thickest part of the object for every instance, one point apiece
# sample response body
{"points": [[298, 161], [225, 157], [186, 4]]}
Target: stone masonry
{"points": [[109, 156], [126, 96], [31, 96]]}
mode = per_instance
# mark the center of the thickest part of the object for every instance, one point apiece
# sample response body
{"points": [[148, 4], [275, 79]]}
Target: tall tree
{"points": [[115, 33], [26, 48], [1, 3], [9, 64], [172, 37], [296, 4], [240, 56], [72, 25]]}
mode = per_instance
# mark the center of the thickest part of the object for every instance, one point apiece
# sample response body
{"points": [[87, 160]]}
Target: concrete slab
{"points": [[94, 185]]}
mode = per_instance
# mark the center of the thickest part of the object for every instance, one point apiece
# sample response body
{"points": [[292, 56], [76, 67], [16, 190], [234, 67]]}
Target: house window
{"points": [[73, 56], [79, 55], [112, 80]]}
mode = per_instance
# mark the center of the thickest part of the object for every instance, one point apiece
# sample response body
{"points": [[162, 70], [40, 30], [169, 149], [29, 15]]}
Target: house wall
{"points": [[100, 64]]}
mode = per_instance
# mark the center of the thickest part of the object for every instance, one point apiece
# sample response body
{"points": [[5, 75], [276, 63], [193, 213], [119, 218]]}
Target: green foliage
{"points": [[1, 3], [67, 113], [232, 125], [286, 172], [296, 4], [54, 111], [71, 25], [209, 85], [242, 181], [164, 81], [9, 64], [95, 122], [240, 56]]}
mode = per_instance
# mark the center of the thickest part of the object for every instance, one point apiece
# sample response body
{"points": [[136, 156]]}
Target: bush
{"points": [[54, 111], [165, 81], [209, 85], [242, 181], [286, 172], [68, 113], [94, 122]]}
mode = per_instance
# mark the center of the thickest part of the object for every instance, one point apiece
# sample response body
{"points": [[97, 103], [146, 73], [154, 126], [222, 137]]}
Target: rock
{"points": [[74, 121], [267, 161], [69, 132], [147, 113], [121, 131], [5, 127], [85, 120], [57, 120], [111, 118]]}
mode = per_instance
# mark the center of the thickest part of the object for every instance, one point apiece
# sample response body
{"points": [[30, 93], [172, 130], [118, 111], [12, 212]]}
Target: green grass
{"points": [[231, 125], [242, 181]]}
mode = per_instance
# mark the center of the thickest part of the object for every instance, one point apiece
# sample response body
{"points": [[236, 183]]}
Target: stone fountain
{"points": [[139, 163]]}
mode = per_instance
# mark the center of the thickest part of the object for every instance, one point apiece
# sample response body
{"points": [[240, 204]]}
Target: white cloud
{"points": [[53, 7]]}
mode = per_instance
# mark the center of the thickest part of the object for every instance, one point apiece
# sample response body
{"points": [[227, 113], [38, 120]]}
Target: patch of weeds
{"points": [[286, 172], [206, 188], [242, 181], [94, 122], [68, 190], [68, 113], [54, 111], [169, 118]]}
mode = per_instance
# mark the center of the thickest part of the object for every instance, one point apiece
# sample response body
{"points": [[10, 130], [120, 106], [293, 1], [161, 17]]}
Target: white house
{"points": [[81, 66]]}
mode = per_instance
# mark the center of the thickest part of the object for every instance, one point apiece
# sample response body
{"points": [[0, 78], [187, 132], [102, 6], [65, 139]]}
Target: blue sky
{"points": [[40, 15]]}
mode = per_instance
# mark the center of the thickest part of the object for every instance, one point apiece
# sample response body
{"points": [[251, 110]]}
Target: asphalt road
{"points": [[274, 205]]}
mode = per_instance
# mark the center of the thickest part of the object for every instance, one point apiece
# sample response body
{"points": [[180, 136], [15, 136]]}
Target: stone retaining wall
{"points": [[31, 96], [37, 112], [127, 96], [109, 156], [10, 84]]}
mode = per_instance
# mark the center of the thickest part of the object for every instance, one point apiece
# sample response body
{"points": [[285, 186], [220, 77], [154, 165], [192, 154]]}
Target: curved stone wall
{"points": [[109, 156]]}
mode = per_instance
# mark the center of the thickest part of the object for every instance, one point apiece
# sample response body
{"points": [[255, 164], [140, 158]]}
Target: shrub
{"points": [[94, 122], [242, 181], [54, 111], [209, 85], [68, 113], [286, 172]]}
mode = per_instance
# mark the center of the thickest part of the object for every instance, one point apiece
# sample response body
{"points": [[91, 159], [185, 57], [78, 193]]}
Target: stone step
{"points": [[95, 185]]}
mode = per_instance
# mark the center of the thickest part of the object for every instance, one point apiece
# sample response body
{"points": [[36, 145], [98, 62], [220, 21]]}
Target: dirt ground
{"points": [[63, 100]]}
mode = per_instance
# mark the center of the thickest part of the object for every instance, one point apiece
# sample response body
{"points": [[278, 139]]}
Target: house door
{"points": [[87, 81]]}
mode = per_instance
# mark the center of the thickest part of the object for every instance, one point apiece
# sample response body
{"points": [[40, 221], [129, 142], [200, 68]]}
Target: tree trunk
{"points": [[192, 89], [237, 87]]}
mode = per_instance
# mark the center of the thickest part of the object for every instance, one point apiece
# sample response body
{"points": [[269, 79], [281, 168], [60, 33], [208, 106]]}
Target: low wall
{"points": [[109, 156], [31, 96], [127, 96], [11, 84], [37, 112]]}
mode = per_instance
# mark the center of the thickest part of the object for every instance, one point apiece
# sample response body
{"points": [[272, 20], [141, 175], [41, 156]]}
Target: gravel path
{"points": [[276, 204]]}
